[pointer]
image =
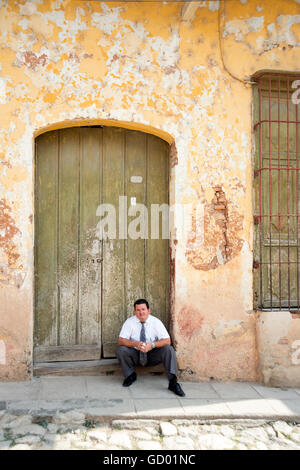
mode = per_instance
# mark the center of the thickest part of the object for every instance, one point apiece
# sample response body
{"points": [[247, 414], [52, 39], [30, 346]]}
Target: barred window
{"points": [[276, 183]]}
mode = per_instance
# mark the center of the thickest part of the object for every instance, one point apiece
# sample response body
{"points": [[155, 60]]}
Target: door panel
{"points": [[157, 253], [85, 286], [113, 297], [90, 248], [46, 280], [68, 235], [135, 167]]}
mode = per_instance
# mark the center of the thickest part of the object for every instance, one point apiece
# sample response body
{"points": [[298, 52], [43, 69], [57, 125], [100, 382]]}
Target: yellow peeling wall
{"points": [[139, 65]]}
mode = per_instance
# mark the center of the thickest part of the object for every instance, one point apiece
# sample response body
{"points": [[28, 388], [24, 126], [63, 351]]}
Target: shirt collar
{"points": [[146, 322]]}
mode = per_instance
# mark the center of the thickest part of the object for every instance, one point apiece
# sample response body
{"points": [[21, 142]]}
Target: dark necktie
{"points": [[143, 356]]}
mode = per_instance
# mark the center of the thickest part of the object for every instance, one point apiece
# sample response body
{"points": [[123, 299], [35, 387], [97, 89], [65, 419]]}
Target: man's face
{"points": [[142, 312]]}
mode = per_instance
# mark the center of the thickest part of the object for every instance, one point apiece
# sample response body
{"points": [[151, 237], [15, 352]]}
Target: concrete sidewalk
{"points": [[104, 398]]}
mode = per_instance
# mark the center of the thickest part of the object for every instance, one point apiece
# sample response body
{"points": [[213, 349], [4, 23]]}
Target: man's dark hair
{"points": [[141, 301]]}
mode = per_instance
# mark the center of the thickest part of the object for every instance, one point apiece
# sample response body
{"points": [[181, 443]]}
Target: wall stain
{"points": [[10, 273], [173, 155], [4, 162], [189, 321], [8, 231], [74, 57]]}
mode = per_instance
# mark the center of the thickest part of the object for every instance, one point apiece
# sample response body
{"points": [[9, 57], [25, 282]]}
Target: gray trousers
{"points": [[129, 357]]}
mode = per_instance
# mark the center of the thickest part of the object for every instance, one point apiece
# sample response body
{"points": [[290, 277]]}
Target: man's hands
{"points": [[144, 347], [138, 344]]}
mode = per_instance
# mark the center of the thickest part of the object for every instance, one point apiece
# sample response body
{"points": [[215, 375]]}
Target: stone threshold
{"points": [[102, 367]]}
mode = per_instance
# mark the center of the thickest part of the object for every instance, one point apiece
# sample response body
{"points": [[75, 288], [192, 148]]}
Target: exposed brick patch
{"points": [[222, 224], [32, 60]]}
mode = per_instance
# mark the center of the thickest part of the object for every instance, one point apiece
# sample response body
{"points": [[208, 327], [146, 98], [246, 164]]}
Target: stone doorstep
{"points": [[103, 367]]}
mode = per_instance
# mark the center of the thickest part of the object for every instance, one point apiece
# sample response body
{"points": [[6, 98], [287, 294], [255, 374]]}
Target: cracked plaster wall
{"points": [[68, 62]]}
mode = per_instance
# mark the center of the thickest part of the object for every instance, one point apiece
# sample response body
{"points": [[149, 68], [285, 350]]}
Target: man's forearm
{"points": [[128, 342], [162, 342], [136, 344]]}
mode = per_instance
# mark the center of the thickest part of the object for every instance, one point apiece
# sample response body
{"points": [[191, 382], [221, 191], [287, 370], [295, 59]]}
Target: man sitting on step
{"points": [[144, 340]]}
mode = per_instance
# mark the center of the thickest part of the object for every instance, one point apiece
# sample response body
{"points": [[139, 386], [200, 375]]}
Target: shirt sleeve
{"points": [[125, 330], [162, 332]]}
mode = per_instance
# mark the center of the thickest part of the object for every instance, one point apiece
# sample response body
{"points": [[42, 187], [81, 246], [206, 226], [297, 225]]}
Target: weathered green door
{"points": [[85, 285]]}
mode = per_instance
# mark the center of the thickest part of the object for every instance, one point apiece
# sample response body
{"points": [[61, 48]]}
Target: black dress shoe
{"points": [[129, 380], [176, 388]]}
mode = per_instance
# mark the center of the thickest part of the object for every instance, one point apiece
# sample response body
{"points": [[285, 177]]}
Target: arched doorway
{"points": [[85, 285]]}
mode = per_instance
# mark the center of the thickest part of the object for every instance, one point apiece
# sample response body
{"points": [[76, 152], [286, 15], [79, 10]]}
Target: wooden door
{"points": [[85, 286]]}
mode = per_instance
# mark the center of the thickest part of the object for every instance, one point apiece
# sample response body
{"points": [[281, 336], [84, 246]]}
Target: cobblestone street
{"points": [[71, 430]]}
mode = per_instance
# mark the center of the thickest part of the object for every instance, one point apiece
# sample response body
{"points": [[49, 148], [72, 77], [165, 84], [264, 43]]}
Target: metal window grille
{"points": [[276, 184]]}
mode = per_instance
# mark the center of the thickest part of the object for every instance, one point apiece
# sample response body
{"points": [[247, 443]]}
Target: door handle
{"points": [[97, 260]]}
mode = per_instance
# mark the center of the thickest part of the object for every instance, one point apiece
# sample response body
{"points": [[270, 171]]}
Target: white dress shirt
{"points": [[154, 329]]}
